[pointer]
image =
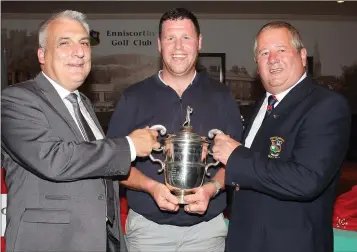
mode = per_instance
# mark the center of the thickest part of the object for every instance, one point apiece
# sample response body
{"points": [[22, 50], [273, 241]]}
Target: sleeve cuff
{"points": [[235, 166], [132, 149]]}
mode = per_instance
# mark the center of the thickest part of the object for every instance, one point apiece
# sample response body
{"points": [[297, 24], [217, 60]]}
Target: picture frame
{"points": [[214, 64]]}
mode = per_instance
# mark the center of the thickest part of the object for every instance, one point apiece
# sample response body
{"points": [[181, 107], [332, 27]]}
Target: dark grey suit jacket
{"points": [[56, 194]]}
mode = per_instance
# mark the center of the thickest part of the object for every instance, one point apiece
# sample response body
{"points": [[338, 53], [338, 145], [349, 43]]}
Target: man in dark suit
{"points": [[55, 156], [286, 169]]}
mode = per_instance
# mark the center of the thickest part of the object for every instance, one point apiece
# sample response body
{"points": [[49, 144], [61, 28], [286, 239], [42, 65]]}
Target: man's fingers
{"points": [[156, 146], [170, 202], [216, 156], [219, 137], [171, 199], [154, 133], [168, 206], [187, 208], [195, 208], [190, 198], [214, 148], [165, 194], [166, 200], [194, 190]]}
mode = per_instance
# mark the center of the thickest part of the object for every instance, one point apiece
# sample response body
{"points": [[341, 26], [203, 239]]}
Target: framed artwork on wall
{"points": [[214, 64]]}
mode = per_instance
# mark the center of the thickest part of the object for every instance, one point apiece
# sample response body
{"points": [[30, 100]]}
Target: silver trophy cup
{"points": [[185, 158]]}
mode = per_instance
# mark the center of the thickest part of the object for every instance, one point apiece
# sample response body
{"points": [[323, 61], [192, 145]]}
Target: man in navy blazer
{"points": [[286, 169]]}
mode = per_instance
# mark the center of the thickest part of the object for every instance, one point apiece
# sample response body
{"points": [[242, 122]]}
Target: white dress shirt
{"points": [[63, 93], [261, 114]]}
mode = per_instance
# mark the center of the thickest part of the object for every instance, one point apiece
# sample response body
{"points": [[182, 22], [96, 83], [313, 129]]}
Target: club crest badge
{"points": [[275, 147], [94, 37]]}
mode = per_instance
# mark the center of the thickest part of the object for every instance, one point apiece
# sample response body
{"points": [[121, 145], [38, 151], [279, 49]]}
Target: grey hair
{"points": [[69, 14], [295, 35]]}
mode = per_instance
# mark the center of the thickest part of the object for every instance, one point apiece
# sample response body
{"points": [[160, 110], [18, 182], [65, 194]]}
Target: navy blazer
{"points": [[287, 178]]}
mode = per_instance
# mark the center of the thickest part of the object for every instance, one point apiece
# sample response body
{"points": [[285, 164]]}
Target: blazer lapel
{"points": [[91, 112], [56, 102], [295, 96]]}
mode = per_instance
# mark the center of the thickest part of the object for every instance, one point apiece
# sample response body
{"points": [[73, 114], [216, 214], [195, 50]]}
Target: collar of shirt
{"points": [[62, 92], [160, 72], [281, 96]]}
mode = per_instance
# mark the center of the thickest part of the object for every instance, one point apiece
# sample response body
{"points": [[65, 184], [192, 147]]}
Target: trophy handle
{"points": [[211, 134], [162, 131]]}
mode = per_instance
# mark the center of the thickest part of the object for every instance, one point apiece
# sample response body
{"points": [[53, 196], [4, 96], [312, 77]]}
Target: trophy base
{"points": [[180, 194]]}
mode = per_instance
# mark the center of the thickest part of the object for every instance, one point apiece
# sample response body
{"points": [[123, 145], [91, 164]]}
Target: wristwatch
{"points": [[218, 187]]}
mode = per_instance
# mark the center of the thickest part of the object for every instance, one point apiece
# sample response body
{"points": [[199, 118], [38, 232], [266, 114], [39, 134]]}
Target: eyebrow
{"points": [[61, 38], [65, 38], [277, 46], [262, 50]]}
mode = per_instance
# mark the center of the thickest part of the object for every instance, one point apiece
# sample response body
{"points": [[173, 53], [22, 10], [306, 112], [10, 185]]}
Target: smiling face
{"points": [[280, 65], [66, 58], [179, 45]]}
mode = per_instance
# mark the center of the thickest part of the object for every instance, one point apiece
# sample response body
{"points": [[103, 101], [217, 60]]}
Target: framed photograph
{"points": [[214, 64]]}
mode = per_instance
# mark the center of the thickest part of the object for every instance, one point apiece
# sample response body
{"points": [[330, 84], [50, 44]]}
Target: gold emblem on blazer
{"points": [[275, 147]]}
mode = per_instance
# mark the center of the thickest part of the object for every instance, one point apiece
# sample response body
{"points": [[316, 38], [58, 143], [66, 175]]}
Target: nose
{"points": [[178, 44], [78, 51], [273, 58]]}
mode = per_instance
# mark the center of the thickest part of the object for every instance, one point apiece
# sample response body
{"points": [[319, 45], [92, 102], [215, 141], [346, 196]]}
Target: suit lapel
{"points": [[56, 102], [91, 112], [293, 98]]}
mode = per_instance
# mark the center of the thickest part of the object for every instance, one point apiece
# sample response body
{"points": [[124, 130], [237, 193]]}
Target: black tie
{"points": [[270, 107], [89, 136]]}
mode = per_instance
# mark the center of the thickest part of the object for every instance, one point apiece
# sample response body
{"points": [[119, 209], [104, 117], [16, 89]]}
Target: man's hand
{"points": [[144, 141], [198, 202], [163, 197], [223, 147]]}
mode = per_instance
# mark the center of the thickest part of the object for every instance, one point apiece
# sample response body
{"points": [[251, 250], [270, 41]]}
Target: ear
{"points": [[199, 42], [303, 55], [256, 62], [159, 44], [41, 55]]}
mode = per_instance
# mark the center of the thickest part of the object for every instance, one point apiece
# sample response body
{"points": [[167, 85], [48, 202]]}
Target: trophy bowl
{"points": [[185, 159]]}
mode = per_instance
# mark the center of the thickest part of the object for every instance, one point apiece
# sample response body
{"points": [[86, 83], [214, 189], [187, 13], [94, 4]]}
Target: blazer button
{"points": [[101, 196]]}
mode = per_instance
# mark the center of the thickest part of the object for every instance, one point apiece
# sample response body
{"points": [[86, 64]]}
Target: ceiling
{"points": [[348, 9]]}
